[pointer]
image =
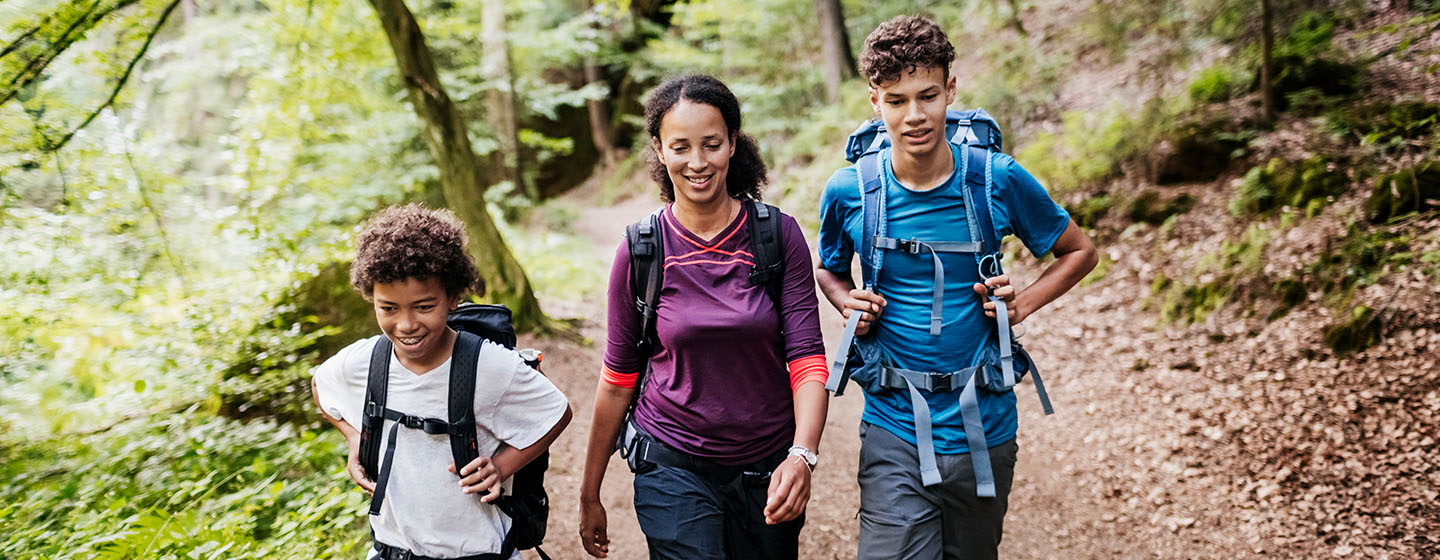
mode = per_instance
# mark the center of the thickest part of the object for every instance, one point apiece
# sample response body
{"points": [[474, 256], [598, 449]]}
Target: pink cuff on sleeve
{"points": [[807, 369], [626, 380]]}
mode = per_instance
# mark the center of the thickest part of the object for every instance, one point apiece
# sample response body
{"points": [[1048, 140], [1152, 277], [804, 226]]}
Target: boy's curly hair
{"points": [[412, 241], [902, 45]]}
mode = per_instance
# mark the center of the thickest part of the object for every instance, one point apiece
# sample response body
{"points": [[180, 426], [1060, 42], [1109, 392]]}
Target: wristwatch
{"points": [[805, 454]]}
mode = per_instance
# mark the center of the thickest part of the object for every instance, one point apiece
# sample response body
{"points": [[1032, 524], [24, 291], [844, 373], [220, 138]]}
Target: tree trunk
{"points": [[496, 61], [600, 132], [1267, 42], [834, 47], [460, 172]]}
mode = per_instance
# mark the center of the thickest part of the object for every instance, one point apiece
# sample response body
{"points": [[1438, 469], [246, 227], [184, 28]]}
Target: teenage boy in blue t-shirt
{"points": [[906, 61]]}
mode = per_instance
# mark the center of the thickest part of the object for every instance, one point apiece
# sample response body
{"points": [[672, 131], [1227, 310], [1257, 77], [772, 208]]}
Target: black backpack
{"points": [[527, 505], [647, 248]]}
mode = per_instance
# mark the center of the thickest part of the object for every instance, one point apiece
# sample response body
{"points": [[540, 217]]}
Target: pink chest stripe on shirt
{"points": [[738, 256]]}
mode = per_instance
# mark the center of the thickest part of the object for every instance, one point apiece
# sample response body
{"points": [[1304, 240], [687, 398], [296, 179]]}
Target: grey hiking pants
{"points": [[901, 518]]}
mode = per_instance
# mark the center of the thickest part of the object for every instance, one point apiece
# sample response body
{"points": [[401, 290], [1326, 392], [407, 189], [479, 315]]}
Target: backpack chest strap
{"points": [[913, 246]]}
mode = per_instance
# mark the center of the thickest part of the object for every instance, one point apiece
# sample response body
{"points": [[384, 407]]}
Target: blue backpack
{"points": [[1002, 362]]}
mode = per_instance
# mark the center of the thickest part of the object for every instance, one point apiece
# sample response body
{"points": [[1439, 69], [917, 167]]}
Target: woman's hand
{"points": [[789, 491], [868, 303], [593, 528], [1006, 292]]}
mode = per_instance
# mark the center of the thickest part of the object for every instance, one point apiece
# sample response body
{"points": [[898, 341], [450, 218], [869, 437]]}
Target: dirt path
{"points": [[1141, 460], [1051, 516]]}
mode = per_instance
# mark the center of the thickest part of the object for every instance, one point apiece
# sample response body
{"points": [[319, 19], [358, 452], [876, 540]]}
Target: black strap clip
{"points": [[911, 245]]}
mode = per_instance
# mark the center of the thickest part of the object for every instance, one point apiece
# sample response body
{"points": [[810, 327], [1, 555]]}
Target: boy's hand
{"points": [[1003, 290], [480, 476], [357, 472], [868, 303], [789, 491]]}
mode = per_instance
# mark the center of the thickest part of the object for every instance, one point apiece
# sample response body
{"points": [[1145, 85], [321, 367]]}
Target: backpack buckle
{"points": [[412, 422], [911, 245], [941, 382], [373, 410]]}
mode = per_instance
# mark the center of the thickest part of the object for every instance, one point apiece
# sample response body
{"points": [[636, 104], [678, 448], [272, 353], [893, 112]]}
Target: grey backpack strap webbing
{"points": [[872, 212], [970, 418]]}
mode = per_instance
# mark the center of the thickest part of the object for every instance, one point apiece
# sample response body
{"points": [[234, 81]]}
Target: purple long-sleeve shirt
{"points": [[719, 386]]}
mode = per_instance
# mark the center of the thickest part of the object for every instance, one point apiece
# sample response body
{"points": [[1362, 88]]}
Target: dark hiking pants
{"points": [[901, 518]]}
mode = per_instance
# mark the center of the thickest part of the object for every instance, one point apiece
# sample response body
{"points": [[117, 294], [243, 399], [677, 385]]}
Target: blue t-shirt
{"points": [[1019, 206]]}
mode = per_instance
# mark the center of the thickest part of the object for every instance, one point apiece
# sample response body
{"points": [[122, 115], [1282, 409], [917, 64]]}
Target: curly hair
{"points": [[747, 174], [412, 241], [902, 45]]}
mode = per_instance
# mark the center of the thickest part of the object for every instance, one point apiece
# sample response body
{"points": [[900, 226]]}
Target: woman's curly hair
{"points": [[747, 173], [902, 45], [412, 241]]}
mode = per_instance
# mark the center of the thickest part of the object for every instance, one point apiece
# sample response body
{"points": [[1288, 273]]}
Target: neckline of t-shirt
{"points": [[888, 165], [443, 365], [718, 240]]}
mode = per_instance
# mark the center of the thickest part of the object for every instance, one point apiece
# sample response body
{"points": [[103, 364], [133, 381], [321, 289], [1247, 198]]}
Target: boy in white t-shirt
{"points": [[411, 263]]}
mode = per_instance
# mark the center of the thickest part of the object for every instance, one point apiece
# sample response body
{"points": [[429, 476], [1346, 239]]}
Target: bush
{"points": [[1412, 190], [1307, 184], [1218, 83], [1152, 208]]}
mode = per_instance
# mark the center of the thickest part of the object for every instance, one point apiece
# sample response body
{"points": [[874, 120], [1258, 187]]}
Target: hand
{"points": [[868, 304], [1003, 290], [789, 491], [480, 475], [357, 472], [592, 528]]}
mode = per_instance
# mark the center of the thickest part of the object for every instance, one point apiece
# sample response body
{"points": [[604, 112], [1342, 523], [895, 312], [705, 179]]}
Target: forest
{"points": [[1252, 370]]}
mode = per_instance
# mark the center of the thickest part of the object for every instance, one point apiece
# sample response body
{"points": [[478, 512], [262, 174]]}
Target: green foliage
{"points": [[1092, 145], [1386, 126], [1230, 274], [1307, 185], [1220, 82], [1152, 208], [1360, 330], [181, 487], [1410, 190], [1087, 213], [1360, 260]]}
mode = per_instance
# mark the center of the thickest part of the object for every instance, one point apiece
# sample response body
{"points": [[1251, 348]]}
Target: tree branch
{"points": [[125, 77], [38, 64]]}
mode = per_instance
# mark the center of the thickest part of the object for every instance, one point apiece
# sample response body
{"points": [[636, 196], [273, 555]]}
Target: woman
{"points": [[729, 439]]}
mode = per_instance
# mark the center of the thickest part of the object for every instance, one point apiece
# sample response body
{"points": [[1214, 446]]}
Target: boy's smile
{"points": [[412, 314]]}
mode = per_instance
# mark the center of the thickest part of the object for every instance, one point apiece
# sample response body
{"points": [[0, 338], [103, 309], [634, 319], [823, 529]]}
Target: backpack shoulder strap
{"points": [[647, 254], [977, 183], [767, 242], [461, 399], [872, 209], [373, 412]]}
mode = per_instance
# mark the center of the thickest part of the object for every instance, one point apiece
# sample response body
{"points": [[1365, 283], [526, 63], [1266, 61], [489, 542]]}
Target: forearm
{"points": [[1075, 256], [611, 401], [510, 460], [836, 287], [812, 405]]}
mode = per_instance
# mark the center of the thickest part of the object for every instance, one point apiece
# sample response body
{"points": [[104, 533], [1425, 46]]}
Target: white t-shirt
{"points": [[424, 510]]}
